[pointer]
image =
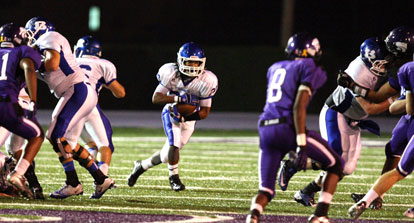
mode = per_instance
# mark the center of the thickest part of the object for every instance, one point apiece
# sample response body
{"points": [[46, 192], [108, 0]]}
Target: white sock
{"points": [[22, 166], [370, 196], [146, 164], [325, 197], [173, 169], [104, 168]]}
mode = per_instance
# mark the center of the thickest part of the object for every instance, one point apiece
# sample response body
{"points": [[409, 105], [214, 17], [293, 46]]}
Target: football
{"points": [[185, 109]]}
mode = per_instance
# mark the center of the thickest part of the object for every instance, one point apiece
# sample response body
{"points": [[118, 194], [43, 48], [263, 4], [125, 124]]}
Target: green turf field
{"points": [[219, 169]]}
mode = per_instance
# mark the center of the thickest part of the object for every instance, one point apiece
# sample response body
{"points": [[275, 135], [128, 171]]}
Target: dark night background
{"points": [[241, 39]]}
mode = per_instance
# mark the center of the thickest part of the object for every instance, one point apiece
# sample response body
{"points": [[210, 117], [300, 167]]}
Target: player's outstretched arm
{"points": [[382, 94], [409, 105], [52, 60], [31, 77], [398, 107], [117, 89]]}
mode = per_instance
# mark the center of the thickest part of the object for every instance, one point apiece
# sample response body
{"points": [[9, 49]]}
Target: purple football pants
{"points": [[277, 140]]}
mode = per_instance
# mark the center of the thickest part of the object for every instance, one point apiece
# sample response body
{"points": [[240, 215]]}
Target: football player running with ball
{"points": [[184, 82], [282, 130]]}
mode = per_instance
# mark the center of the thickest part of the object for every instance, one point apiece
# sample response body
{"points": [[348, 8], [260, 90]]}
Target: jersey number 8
{"points": [[274, 91]]}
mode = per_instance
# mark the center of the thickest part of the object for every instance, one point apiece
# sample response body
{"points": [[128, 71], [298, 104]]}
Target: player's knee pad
{"points": [[268, 195], [337, 167], [105, 154], [82, 156], [62, 148], [156, 158], [173, 154], [388, 150]]}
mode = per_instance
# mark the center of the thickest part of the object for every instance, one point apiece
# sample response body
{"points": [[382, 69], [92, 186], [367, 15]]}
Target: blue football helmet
{"points": [[191, 52], [303, 45], [400, 41], [374, 53], [37, 26], [11, 35], [87, 45]]}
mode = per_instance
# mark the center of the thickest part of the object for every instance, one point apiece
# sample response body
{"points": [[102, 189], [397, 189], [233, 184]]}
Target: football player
{"points": [[15, 144], [400, 42], [345, 113], [18, 65], [184, 82], [406, 163], [291, 84], [97, 133], [77, 99]]}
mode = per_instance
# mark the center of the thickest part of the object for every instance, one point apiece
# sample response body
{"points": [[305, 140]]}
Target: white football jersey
{"points": [[203, 86], [99, 71], [69, 72], [361, 74]]}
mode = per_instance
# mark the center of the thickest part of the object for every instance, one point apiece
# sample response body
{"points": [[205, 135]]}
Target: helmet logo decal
{"points": [[40, 25], [304, 53], [401, 46], [370, 54]]}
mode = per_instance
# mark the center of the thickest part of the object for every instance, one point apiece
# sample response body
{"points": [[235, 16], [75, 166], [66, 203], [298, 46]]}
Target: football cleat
{"points": [[136, 172], [305, 199], [67, 191], [375, 205], [19, 181], [102, 188], [357, 209], [175, 183], [357, 197], [286, 172], [37, 193], [409, 213], [318, 219], [252, 219]]}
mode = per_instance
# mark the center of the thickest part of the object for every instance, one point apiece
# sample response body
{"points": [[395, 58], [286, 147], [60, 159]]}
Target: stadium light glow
{"points": [[94, 18]]}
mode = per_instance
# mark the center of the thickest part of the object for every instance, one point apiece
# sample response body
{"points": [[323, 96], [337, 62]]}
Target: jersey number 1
{"points": [[5, 58], [274, 91]]}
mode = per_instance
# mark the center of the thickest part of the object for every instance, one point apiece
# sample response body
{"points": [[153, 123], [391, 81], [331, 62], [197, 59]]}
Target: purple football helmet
{"points": [[11, 35], [303, 45], [400, 41]]}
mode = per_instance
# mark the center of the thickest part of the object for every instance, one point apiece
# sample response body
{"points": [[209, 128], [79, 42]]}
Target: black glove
{"points": [[301, 158], [344, 80]]}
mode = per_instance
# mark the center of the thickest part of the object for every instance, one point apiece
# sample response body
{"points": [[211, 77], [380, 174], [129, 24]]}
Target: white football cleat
{"points": [[67, 191], [102, 188]]}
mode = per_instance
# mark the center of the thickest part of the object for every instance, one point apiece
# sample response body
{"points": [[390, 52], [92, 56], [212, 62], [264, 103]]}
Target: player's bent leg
{"points": [[72, 185], [104, 157], [259, 202], [141, 166], [102, 182]]}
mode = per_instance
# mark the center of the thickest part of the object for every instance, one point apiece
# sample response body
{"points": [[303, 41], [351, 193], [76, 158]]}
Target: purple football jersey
{"points": [[283, 80], [406, 76], [12, 76]]}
